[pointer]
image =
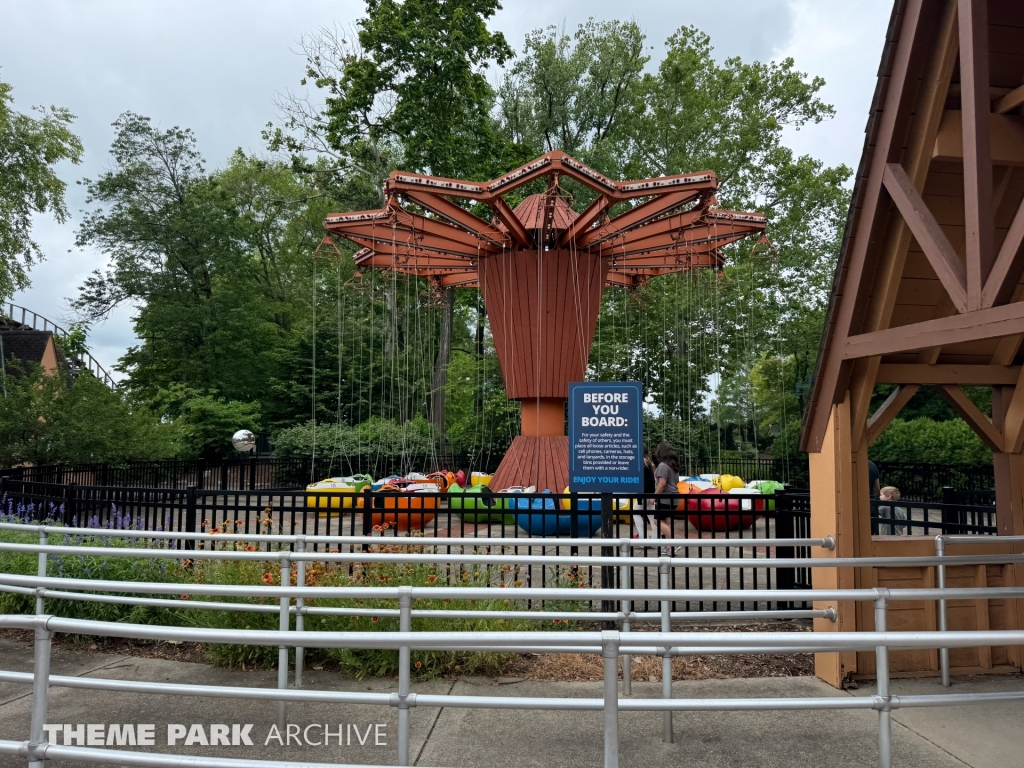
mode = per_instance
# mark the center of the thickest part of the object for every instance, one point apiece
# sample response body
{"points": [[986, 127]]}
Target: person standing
{"points": [[666, 477]]}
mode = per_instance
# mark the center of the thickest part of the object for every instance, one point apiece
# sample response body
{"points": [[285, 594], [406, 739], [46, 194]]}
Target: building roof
{"points": [[909, 188], [24, 345]]}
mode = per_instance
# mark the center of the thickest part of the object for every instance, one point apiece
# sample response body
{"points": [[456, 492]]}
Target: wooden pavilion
{"points": [[928, 292], [542, 268]]}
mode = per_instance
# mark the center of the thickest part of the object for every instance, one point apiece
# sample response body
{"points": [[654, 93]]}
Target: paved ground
{"points": [[986, 736]]}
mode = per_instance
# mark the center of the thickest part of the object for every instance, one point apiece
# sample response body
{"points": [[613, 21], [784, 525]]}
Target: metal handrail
{"points": [[609, 644], [85, 358], [941, 542]]}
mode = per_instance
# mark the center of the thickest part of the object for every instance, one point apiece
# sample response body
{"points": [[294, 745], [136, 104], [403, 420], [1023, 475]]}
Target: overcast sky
{"points": [[214, 66]]}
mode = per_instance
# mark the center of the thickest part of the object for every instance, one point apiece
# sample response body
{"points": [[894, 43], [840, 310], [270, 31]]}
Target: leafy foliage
{"points": [[30, 148], [930, 442], [47, 419]]}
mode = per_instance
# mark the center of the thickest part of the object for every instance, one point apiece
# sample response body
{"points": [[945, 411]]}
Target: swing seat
{"points": [[334, 493], [592, 502], [480, 478], [393, 497], [477, 497], [548, 524], [726, 515]]}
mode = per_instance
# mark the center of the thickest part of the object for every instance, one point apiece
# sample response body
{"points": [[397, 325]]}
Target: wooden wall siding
{"points": [[542, 349], [539, 461]]}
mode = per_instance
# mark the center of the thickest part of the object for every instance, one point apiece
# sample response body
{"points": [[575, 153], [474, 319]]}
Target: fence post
{"points": [[367, 514], [404, 673], [626, 582], [252, 473], [282, 650], [70, 502], [44, 538], [884, 700], [607, 571], [664, 568], [610, 652], [201, 469], [190, 515], [300, 607], [785, 528], [940, 572], [40, 694]]}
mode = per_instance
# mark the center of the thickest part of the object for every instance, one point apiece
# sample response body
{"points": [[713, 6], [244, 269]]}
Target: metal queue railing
{"points": [[941, 543], [292, 601]]}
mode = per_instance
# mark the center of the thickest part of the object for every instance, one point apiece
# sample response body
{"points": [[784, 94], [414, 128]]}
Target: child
{"points": [[891, 493]]}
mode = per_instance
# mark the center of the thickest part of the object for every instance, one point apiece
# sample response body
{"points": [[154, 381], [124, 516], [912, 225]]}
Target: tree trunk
{"points": [[439, 377]]}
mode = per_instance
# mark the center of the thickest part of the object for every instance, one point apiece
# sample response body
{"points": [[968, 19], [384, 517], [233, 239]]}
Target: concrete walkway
{"points": [[981, 736]]}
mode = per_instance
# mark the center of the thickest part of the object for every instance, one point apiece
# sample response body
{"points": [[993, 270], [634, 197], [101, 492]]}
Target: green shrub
{"points": [[930, 442]]}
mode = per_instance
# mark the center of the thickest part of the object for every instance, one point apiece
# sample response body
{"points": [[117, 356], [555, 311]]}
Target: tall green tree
{"points": [[30, 149]]}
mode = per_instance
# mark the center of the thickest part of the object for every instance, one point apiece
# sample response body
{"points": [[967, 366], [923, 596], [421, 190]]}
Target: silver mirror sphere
{"points": [[243, 440]]}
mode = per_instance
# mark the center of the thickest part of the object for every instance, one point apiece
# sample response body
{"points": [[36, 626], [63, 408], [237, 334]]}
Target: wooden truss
{"points": [[673, 227]]}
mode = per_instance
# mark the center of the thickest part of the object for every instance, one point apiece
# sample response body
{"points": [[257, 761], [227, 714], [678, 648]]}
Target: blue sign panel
{"points": [[606, 450]]}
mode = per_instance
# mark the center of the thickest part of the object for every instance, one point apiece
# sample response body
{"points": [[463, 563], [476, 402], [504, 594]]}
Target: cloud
{"points": [[215, 67]]}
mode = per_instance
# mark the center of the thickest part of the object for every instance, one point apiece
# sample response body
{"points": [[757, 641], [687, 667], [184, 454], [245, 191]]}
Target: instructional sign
{"points": [[606, 437]]}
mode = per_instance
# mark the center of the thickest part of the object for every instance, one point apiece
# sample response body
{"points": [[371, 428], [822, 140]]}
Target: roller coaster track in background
{"points": [[29, 320]]}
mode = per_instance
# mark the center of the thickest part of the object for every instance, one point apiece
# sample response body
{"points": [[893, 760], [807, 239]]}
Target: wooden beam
{"points": [[1008, 264], [963, 375], [512, 223], [977, 110], [969, 412], [635, 217], [1013, 418], [584, 221], [833, 367], [457, 215], [936, 246], [889, 410], [984, 324], [1010, 101]]}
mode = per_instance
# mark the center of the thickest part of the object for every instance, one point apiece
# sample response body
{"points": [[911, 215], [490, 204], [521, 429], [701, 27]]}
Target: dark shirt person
{"points": [[873, 481]]}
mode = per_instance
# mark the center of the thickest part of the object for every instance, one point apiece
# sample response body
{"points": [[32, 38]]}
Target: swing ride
{"points": [[542, 268]]}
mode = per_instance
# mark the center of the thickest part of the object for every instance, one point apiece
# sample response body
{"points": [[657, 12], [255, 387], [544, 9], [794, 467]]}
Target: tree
{"points": [[30, 148], [218, 263], [50, 419]]}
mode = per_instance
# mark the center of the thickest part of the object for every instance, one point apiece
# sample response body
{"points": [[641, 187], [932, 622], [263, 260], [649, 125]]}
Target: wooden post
{"points": [[832, 512]]}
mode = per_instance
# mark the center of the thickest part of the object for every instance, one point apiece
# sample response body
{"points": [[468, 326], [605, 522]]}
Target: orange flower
{"points": [[431, 579], [215, 530], [267, 578], [250, 548], [184, 597], [374, 619], [419, 665]]}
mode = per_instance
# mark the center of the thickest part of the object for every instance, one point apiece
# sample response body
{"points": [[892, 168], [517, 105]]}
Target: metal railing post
{"points": [[40, 694], [40, 600], [884, 699], [664, 567], [300, 608], [940, 571], [282, 650], [610, 652], [404, 673], [626, 579]]}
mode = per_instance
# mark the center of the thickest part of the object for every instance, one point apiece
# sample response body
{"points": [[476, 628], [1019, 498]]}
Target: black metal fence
{"points": [[911, 518], [935, 482], [538, 520]]}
